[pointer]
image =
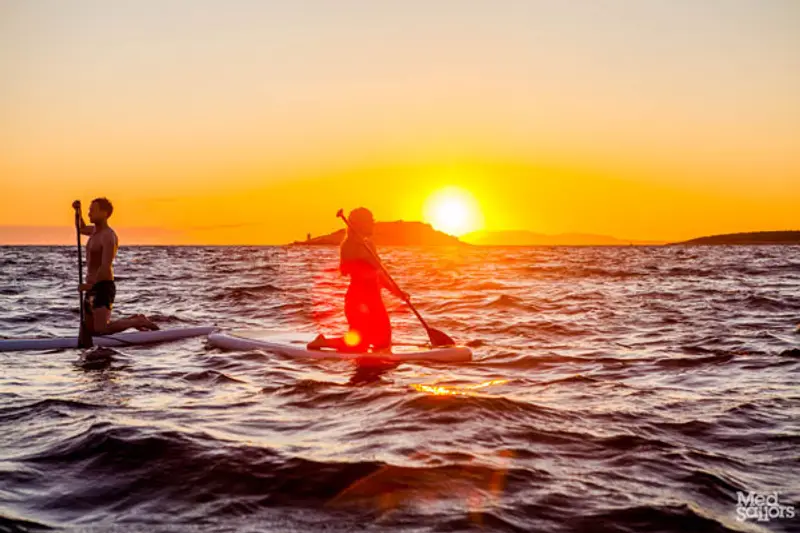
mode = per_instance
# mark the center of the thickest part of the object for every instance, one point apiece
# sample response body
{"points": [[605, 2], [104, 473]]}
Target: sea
{"points": [[612, 389]]}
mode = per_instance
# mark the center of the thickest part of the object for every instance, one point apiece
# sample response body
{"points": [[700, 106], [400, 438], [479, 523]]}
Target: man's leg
{"points": [[103, 325]]}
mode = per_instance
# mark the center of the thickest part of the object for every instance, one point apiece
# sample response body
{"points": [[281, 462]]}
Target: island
{"points": [[529, 238], [397, 233], [756, 237], [404, 233]]}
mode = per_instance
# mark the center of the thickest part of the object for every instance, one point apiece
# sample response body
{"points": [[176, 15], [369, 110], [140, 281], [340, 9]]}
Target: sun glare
{"points": [[453, 210]]}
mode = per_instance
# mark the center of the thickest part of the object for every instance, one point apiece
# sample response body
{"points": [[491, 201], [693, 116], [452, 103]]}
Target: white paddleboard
{"points": [[111, 341], [294, 345]]}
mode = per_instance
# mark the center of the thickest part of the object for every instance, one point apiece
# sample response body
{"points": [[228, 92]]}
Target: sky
{"points": [[251, 122]]}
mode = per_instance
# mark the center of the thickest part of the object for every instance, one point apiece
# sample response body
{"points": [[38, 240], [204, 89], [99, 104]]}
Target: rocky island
{"points": [[390, 234], [757, 237]]}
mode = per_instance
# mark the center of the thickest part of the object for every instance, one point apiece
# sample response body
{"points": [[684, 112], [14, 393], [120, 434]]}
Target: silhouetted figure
{"points": [[100, 287], [363, 306]]}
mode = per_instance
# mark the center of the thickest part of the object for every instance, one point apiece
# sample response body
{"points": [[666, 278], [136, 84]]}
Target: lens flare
{"points": [[352, 338]]}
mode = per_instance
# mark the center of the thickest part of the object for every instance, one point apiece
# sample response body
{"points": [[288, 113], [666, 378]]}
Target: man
{"points": [[99, 287]]}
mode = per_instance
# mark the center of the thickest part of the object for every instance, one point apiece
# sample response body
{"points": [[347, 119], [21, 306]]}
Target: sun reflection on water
{"points": [[455, 390]]}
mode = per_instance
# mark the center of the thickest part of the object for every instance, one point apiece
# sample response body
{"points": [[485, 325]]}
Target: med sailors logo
{"points": [[762, 507]]}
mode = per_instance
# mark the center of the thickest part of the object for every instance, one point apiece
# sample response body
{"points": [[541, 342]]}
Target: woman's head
{"points": [[362, 221]]}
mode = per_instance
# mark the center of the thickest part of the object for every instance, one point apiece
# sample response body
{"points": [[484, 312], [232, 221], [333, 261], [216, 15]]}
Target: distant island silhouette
{"points": [[392, 233], [421, 234], [756, 237], [529, 238]]}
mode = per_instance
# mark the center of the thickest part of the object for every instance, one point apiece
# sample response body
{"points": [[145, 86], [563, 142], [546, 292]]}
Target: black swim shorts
{"points": [[101, 294]]}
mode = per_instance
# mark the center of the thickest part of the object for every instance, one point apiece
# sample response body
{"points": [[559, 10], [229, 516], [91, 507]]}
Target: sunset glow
{"points": [[337, 265], [454, 211], [253, 122]]}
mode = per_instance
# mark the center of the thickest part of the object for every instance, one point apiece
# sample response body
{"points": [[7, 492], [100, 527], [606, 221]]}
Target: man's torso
{"points": [[94, 252]]}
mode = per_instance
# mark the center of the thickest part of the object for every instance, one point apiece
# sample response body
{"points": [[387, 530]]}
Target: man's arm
{"points": [[84, 228]]}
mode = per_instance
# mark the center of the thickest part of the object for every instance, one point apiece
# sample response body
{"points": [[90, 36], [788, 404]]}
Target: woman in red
{"points": [[363, 306]]}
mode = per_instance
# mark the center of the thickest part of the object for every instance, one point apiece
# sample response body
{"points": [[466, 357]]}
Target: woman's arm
{"points": [[384, 279], [356, 260]]}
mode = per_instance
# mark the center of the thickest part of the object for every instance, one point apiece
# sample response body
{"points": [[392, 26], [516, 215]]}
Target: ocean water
{"points": [[612, 390]]}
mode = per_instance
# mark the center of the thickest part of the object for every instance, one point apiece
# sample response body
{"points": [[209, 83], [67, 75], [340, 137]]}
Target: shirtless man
{"points": [[99, 287]]}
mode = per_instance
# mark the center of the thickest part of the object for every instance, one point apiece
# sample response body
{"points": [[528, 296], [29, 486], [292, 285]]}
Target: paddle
{"points": [[438, 338], [84, 335]]}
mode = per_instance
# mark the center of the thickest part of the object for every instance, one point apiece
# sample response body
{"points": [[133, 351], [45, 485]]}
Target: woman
{"points": [[368, 321]]}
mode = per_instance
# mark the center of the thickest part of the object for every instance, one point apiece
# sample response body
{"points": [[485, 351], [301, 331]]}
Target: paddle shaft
{"points": [[84, 339], [80, 259], [386, 272]]}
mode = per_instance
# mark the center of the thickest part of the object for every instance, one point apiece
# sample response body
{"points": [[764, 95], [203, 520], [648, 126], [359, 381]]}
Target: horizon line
{"points": [[52, 240]]}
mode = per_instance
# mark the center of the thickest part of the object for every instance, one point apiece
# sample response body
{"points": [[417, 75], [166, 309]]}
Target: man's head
{"points": [[99, 210], [362, 221]]}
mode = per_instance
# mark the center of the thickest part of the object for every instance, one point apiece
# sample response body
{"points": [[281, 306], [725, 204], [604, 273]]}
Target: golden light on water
{"points": [[453, 210], [455, 390]]}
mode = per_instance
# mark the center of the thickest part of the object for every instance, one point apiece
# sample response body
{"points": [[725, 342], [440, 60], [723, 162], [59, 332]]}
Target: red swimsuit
{"points": [[363, 306]]}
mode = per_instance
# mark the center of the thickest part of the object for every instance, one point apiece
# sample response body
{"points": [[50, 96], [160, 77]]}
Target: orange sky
{"points": [[243, 122]]}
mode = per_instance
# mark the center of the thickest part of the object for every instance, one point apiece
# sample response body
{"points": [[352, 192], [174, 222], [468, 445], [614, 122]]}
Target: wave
{"points": [[474, 405], [577, 378], [655, 519], [151, 464], [180, 470], [577, 271], [506, 301], [239, 293], [48, 406], [543, 327], [211, 377], [765, 303], [618, 369], [691, 362], [687, 272], [523, 361], [9, 524]]}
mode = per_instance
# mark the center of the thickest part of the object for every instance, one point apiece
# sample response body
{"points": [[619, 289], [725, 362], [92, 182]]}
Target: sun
{"points": [[453, 210]]}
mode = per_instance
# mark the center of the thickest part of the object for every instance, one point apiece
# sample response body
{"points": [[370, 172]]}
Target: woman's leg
{"points": [[358, 321], [357, 312], [378, 328]]}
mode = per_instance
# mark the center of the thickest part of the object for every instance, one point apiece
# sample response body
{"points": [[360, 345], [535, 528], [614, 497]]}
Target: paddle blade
{"points": [[84, 338], [440, 338]]}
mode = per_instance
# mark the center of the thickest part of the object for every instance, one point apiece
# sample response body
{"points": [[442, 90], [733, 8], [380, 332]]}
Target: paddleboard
{"points": [[294, 345], [112, 341]]}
